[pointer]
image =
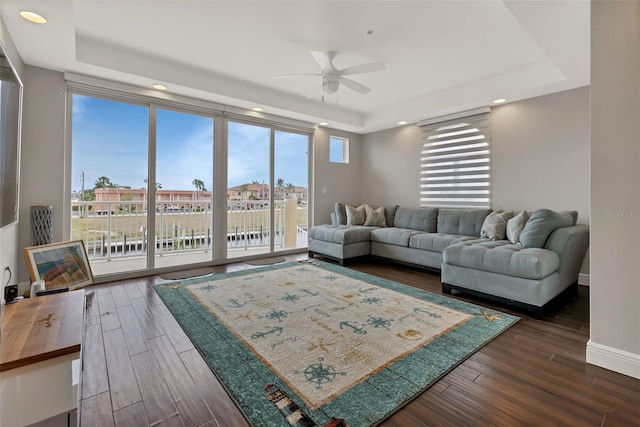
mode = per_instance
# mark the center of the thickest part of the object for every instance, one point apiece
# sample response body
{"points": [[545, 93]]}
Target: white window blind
{"points": [[455, 161]]}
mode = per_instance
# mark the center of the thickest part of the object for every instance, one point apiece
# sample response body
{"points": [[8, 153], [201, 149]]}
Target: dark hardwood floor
{"points": [[140, 368]]}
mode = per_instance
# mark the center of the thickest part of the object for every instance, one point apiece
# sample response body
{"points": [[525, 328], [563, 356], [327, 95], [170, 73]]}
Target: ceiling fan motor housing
{"points": [[330, 82]]}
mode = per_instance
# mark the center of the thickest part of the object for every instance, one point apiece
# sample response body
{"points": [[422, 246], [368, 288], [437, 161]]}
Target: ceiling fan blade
{"points": [[363, 68], [354, 85], [323, 59], [286, 76]]}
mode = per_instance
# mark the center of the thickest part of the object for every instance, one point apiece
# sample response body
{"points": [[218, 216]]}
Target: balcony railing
{"points": [[119, 229]]}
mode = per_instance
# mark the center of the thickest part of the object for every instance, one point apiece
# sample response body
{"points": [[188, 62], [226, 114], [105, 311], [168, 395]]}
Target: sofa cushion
{"points": [[341, 213], [503, 257], [356, 216], [466, 222], [435, 242], [393, 235], [494, 226], [423, 219], [343, 234], [542, 223], [515, 226], [374, 217]]}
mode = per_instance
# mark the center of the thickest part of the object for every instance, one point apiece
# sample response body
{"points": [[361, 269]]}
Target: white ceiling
{"points": [[441, 56]]}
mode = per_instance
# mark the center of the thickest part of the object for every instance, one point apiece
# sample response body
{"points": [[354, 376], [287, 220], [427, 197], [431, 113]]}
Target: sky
{"points": [[110, 139]]}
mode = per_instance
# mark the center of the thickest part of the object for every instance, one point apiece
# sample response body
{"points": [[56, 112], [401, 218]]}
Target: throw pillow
{"points": [[495, 225], [515, 226], [341, 213], [542, 223], [375, 217], [390, 214], [355, 216]]}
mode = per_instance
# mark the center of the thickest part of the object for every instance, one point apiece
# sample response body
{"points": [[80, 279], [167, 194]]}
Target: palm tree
{"points": [[158, 185], [290, 188], [280, 186], [243, 189], [103, 182], [199, 184]]}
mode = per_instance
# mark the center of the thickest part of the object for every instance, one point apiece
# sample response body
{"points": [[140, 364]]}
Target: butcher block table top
{"points": [[41, 328]]}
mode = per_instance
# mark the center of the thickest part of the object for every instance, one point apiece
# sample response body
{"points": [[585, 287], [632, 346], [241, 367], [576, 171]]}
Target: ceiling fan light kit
{"points": [[330, 82]]}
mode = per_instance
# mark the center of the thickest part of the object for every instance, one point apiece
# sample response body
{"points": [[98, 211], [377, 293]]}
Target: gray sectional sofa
{"points": [[449, 240]]}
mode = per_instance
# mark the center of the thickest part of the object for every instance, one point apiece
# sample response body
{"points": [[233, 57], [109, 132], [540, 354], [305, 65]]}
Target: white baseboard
{"points": [[584, 279], [613, 359]]}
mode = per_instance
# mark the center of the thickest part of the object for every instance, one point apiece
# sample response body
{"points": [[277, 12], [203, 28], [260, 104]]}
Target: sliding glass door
{"points": [[183, 188], [267, 195], [144, 195], [248, 189], [291, 172], [108, 171]]}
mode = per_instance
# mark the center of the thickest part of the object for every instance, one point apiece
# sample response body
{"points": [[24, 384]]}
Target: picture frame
{"points": [[63, 264]]}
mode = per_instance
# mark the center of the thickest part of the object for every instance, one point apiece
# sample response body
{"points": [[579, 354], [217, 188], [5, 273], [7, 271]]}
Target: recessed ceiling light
{"points": [[499, 101], [33, 17], [258, 109], [159, 87], [402, 122], [323, 124]]}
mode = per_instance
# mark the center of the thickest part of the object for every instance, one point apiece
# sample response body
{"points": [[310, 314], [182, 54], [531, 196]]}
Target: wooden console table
{"points": [[40, 364]]}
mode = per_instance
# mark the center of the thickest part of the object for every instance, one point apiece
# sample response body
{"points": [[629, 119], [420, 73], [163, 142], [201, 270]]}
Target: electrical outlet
{"points": [[10, 293]]}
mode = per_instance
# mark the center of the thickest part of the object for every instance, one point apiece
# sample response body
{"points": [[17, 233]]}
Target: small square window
{"points": [[338, 149]]}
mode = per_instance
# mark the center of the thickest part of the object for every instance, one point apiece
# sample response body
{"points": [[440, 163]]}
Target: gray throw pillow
{"points": [[390, 214], [341, 214], [355, 216], [515, 226], [374, 217], [495, 225], [542, 223]]}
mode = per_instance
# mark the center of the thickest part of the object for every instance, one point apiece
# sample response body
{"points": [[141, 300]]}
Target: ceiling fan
{"points": [[332, 78]]}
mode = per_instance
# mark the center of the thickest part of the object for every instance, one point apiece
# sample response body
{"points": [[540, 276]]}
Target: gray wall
{"points": [[333, 182], [43, 159], [540, 153], [540, 157], [10, 256], [615, 176], [391, 167]]}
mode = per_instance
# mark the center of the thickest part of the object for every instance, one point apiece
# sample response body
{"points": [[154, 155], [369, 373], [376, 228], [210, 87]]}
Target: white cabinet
{"points": [[40, 361]]}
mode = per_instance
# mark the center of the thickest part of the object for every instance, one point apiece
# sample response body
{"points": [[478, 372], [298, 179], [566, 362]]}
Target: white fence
{"points": [[119, 229]]}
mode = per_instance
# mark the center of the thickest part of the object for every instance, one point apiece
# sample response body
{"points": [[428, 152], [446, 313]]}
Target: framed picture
{"points": [[59, 264]]}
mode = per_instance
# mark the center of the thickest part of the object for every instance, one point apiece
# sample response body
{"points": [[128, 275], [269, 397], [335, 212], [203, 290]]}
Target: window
{"points": [[123, 143], [338, 149], [455, 161]]}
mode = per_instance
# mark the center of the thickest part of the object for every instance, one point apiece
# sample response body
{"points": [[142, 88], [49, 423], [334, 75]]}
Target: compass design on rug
{"points": [[208, 288], [379, 322], [290, 298], [277, 314], [320, 374], [372, 300]]}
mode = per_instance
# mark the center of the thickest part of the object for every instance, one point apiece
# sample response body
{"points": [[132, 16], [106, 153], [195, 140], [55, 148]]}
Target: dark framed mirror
{"points": [[10, 119]]}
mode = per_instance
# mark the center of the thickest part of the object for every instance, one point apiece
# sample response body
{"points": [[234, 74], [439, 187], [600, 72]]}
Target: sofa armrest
{"points": [[571, 244]]}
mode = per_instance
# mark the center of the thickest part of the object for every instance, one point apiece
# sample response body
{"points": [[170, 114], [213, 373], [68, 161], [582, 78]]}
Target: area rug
{"points": [[186, 274], [336, 342], [266, 261]]}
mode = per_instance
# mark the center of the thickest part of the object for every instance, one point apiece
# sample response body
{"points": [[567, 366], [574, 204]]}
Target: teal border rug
{"points": [[364, 404]]}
